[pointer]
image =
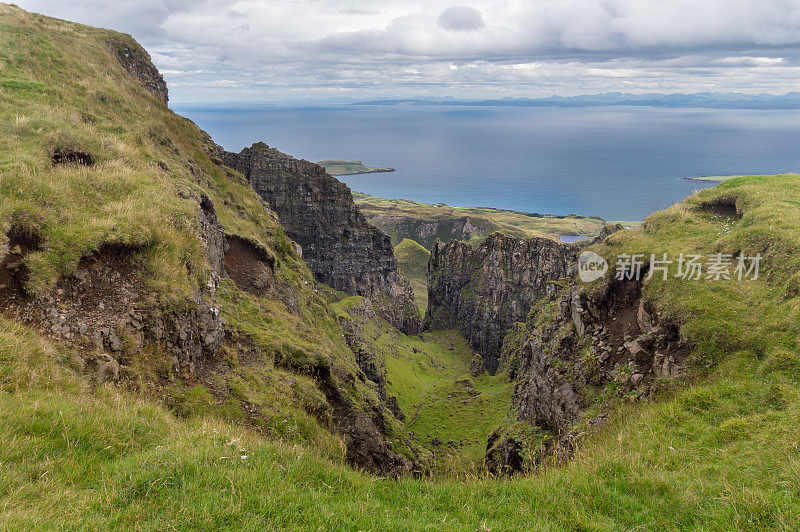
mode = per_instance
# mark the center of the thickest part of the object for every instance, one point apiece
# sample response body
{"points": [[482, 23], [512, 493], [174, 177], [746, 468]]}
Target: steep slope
{"points": [[339, 246], [483, 290], [124, 237], [588, 346], [412, 261], [718, 451]]}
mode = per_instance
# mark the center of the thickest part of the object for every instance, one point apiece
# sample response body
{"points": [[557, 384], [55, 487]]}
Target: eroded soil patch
{"points": [[72, 156], [250, 267], [14, 271], [724, 206]]}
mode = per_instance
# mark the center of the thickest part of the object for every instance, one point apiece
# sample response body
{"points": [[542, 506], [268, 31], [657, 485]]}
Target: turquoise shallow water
{"points": [[618, 163]]}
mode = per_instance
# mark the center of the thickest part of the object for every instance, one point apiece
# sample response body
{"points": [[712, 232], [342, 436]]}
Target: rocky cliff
{"points": [[483, 290], [339, 246], [136, 61], [589, 338], [153, 266]]}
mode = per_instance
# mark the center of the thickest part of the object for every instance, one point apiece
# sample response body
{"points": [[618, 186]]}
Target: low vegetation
{"points": [[350, 168], [412, 260], [422, 222], [247, 445]]}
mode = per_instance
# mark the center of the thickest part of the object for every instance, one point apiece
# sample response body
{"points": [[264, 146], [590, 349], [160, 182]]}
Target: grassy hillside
{"points": [[387, 213], [139, 191], [718, 455], [412, 260], [246, 446], [447, 410]]}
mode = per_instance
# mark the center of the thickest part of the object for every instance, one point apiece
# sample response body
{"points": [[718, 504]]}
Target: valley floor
{"points": [[716, 456]]}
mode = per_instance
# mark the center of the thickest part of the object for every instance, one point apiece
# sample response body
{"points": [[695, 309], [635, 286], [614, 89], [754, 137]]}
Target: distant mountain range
{"points": [[789, 100]]}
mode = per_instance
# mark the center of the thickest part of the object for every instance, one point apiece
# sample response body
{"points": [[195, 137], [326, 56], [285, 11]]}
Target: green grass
{"points": [[412, 261], [151, 168], [151, 164], [485, 221], [714, 178], [349, 168], [718, 451], [719, 455], [426, 374], [438, 403]]}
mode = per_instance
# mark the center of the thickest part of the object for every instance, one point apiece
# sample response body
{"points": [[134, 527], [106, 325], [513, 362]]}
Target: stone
{"points": [[636, 378], [340, 247], [607, 231], [108, 369], [136, 61], [483, 290]]}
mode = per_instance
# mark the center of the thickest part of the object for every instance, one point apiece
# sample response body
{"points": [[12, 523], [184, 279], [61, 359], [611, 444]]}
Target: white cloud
{"points": [[517, 47]]}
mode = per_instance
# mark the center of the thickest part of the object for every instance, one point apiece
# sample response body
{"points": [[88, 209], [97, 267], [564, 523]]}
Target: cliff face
{"points": [[483, 290], [589, 339], [155, 266], [339, 246]]}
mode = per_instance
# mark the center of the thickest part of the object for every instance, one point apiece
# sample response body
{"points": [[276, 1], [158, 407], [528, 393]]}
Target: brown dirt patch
{"points": [[96, 307], [250, 267], [724, 206], [14, 272], [72, 156]]}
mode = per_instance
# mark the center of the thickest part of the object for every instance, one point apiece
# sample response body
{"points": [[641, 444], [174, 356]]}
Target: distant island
{"points": [[350, 168], [712, 178], [721, 178], [708, 100]]}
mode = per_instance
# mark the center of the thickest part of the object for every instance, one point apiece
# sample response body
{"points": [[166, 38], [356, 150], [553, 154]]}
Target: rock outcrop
{"points": [[104, 305], [609, 334], [607, 231], [340, 247], [136, 61], [483, 290]]}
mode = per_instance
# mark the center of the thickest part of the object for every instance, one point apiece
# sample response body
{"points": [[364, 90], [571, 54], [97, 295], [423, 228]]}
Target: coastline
{"points": [[373, 171]]}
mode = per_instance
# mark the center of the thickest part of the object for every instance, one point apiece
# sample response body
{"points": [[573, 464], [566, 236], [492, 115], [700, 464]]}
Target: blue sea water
{"points": [[615, 162]]}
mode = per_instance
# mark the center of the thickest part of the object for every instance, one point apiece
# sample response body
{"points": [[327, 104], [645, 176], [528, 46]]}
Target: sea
{"points": [[619, 163]]}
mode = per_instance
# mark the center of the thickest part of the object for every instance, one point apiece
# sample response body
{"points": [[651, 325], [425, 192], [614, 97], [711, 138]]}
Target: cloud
{"points": [[460, 19], [489, 48]]}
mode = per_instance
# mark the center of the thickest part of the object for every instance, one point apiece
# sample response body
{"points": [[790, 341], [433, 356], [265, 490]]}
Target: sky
{"points": [[279, 50]]}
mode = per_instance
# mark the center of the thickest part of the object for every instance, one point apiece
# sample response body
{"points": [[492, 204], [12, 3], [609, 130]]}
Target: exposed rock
{"points": [[504, 454], [607, 231], [339, 246], [618, 328], [483, 290], [104, 307], [367, 359], [364, 352], [67, 155], [108, 369], [136, 61], [363, 434], [213, 237], [515, 449]]}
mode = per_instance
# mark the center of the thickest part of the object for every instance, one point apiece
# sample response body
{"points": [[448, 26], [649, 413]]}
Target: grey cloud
{"points": [[412, 47], [460, 19]]}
